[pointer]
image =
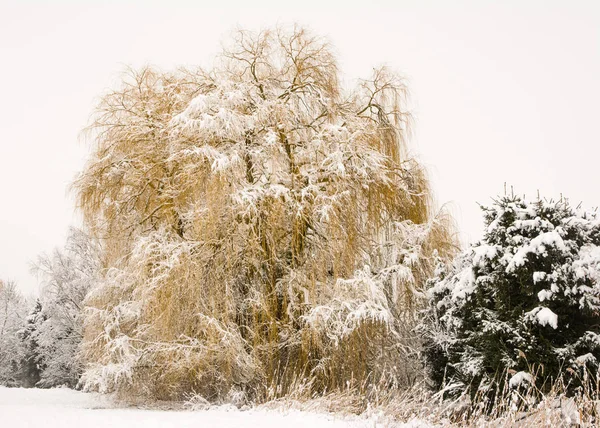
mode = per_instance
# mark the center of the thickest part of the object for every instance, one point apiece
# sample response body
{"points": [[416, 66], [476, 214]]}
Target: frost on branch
{"points": [[526, 295], [262, 225], [13, 319], [66, 276]]}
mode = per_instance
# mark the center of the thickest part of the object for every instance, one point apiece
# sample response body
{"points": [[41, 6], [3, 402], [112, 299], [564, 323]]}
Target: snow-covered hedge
{"points": [[523, 299]]}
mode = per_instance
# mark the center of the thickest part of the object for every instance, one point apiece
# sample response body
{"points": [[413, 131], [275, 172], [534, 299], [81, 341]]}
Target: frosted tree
{"points": [[263, 227], [66, 277], [13, 319], [29, 366], [522, 304]]}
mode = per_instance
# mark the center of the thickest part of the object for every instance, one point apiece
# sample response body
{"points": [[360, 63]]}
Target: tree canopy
{"points": [[261, 225], [523, 303]]}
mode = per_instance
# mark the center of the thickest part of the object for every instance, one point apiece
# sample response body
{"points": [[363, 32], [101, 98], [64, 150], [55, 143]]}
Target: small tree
{"points": [[30, 367], [525, 298], [13, 319], [66, 277]]}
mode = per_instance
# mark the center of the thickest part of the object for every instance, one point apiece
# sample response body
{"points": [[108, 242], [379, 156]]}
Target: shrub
{"points": [[523, 303]]}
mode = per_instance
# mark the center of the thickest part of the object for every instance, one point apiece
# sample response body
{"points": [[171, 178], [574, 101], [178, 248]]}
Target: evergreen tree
{"points": [[524, 301], [30, 370]]}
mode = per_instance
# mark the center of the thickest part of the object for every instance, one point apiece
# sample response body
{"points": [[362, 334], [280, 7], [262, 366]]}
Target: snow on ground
{"points": [[65, 408]]}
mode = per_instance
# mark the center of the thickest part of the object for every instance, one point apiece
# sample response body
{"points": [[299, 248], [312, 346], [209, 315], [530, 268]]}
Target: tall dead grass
{"points": [[553, 405]]}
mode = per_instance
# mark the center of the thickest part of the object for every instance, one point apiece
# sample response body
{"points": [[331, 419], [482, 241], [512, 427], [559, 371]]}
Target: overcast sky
{"points": [[501, 91]]}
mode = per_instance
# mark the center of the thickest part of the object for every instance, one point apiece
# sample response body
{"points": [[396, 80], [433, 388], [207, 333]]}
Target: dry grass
{"points": [[526, 407]]}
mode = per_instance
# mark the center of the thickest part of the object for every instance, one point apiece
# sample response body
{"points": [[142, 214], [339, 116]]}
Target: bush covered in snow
{"points": [[264, 227], [523, 302]]}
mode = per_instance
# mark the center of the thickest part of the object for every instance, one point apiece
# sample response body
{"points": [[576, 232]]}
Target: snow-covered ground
{"points": [[64, 408]]}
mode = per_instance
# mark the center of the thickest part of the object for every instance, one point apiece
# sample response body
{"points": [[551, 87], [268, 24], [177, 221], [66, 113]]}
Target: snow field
{"points": [[65, 408]]}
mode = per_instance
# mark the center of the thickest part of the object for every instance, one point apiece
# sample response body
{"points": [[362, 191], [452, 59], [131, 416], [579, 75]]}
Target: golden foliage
{"points": [[262, 226]]}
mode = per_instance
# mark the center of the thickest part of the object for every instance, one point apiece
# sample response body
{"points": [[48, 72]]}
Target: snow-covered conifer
{"points": [[525, 298], [29, 365]]}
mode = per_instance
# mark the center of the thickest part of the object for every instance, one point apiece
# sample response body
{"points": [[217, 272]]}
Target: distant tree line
{"points": [[39, 339]]}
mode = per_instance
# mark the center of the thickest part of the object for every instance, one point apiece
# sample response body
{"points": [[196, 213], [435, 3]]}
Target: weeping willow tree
{"points": [[263, 227]]}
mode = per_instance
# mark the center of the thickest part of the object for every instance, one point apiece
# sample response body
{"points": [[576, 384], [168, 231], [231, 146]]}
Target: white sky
{"points": [[503, 91]]}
